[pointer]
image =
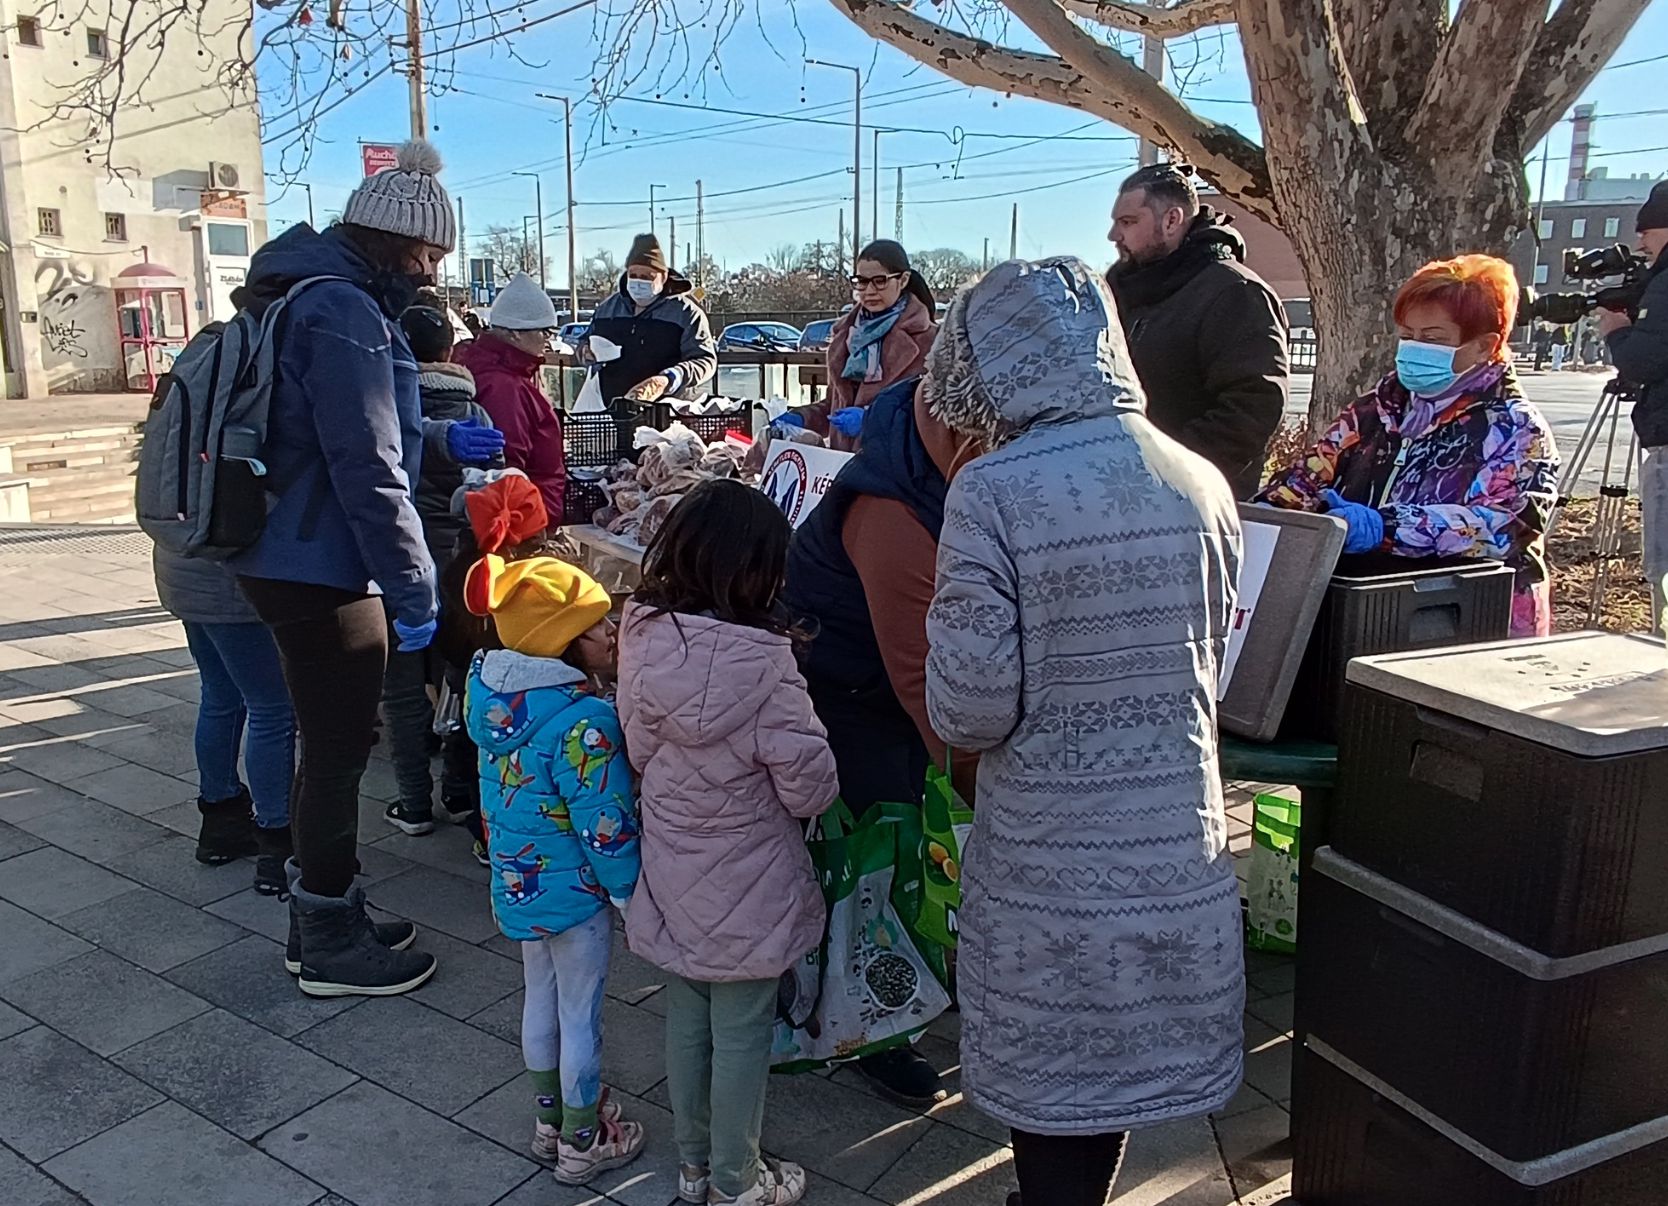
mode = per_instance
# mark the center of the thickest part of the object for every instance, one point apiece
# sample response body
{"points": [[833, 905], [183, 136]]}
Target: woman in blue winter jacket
{"points": [[560, 812], [343, 448]]}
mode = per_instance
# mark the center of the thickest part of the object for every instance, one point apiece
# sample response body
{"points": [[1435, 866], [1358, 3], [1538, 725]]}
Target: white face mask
{"points": [[641, 291]]}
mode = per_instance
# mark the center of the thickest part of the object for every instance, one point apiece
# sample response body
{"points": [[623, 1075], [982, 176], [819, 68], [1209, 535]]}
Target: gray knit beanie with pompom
{"points": [[406, 199]]}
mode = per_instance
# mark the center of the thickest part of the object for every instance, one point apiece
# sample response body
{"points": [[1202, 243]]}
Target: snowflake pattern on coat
{"points": [[1479, 481]]}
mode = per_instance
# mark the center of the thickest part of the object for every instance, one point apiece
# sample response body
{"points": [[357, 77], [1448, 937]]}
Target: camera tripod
{"points": [[1609, 519]]}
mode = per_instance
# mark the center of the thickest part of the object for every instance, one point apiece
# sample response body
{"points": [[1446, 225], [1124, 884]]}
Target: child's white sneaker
{"points": [[780, 1184], [693, 1182], [545, 1136], [616, 1144]]}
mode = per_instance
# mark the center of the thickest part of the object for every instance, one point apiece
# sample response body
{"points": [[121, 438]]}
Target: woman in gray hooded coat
{"points": [[1086, 576]]}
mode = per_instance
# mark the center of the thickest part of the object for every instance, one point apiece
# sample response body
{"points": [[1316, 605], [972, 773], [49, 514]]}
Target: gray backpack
{"points": [[202, 489]]}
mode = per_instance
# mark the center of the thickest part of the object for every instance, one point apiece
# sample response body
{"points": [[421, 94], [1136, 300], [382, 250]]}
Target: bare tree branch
{"points": [[1175, 21], [1461, 107], [1137, 102], [1573, 45]]}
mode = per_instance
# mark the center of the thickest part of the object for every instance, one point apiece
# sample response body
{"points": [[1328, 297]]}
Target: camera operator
{"points": [[1638, 342]]}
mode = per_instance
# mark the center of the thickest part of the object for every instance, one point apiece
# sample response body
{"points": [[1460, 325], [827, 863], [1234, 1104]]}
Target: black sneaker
{"points": [[395, 935], [274, 850], [341, 955], [228, 829], [904, 1075], [414, 822]]}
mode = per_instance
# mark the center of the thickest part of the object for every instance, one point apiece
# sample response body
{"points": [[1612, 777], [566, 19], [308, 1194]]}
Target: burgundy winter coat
{"points": [[506, 387], [719, 725]]}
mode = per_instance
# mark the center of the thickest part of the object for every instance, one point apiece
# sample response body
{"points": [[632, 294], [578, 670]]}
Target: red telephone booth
{"points": [[150, 322]]}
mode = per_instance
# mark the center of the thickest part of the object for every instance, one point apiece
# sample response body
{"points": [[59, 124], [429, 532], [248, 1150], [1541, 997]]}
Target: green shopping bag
{"points": [[1271, 893], [869, 985], [946, 824]]}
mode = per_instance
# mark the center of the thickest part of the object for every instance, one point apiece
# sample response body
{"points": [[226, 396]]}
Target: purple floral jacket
{"points": [[1479, 481]]}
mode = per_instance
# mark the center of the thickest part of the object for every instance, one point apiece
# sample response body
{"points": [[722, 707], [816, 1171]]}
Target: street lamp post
{"points": [[311, 221], [573, 269], [538, 205], [652, 189], [856, 152]]}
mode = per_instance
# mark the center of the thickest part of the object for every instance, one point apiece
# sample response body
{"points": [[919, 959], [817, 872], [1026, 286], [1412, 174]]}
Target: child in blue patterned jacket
{"points": [[560, 813]]}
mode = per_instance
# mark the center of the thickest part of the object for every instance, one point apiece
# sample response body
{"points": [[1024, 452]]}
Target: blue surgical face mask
{"points": [[642, 291], [1425, 368]]}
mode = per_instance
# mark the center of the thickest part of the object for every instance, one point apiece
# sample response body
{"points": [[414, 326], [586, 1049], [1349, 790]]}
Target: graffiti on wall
{"points": [[77, 327]]}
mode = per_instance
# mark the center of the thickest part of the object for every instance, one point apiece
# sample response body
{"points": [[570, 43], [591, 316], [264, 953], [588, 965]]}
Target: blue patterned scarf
{"points": [[863, 342]]}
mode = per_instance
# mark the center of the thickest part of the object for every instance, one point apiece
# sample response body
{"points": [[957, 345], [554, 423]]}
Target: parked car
{"points": [[572, 332], [758, 337], [816, 335]]}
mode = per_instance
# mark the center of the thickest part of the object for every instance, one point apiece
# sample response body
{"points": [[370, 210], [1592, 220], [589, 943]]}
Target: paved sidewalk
{"points": [[154, 1053]]}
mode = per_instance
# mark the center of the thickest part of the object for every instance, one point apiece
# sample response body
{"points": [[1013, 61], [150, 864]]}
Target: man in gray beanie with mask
{"points": [[342, 540], [666, 345]]}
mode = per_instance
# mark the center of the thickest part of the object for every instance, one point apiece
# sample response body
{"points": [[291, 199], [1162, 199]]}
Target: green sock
{"points": [[547, 1091], [579, 1125]]}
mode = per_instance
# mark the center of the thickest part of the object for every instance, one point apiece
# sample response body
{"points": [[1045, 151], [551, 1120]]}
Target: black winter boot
{"points": [[275, 849], [228, 829], [395, 935], [903, 1074], [340, 954]]}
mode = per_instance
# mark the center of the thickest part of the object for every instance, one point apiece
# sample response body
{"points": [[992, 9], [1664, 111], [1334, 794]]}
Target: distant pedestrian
{"points": [[343, 538], [505, 360], [1543, 344], [241, 691], [1207, 335], [665, 342], [1560, 347]]}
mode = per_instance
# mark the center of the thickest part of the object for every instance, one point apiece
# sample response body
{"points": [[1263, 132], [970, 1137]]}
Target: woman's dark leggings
{"points": [[1067, 1170], [334, 646]]}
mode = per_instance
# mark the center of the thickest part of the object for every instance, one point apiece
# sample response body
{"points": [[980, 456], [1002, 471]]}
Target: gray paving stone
{"points": [[1256, 1145], [503, 1020], [946, 1166], [17, 841], [49, 756], [633, 1047], [847, 1135], [418, 1052], [234, 1073], [248, 978], [51, 882], [170, 866], [152, 746], [376, 865], [135, 789], [421, 1158], [1175, 1164], [1275, 1010], [441, 901], [22, 1185], [155, 931], [631, 978], [133, 700], [1268, 1061], [467, 979], [23, 795], [183, 818], [103, 1002], [94, 831], [446, 849], [55, 1093], [170, 1156], [955, 1110], [379, 783], [32, 944], [265, 915], [544, 1190], [12, 1022]]}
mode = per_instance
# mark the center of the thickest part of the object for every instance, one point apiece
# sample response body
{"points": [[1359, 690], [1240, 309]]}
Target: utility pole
{"points": [[986, 262], [1152, 62], [311, 221], [840, 249], [573, 270], [672, 238], [463, 255], [856, 153], [652, 189], [538, 205], [898, 235], [701, 238], [526, 242], [1013, 234], [874, 197], [414, 72]]}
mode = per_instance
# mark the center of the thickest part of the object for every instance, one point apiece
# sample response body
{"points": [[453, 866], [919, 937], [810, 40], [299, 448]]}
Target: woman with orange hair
{"points": [[1445, 458]]}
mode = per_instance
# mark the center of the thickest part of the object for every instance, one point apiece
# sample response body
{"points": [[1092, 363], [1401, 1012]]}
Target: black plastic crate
{"points": [[582, 497], [710, 428], [1377, 605], [1563, 853], [1526, 1054], [596, 439], [1353, 1146]]}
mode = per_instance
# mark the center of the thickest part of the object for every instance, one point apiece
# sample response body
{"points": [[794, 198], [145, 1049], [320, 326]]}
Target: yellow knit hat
{"points": [[539, 606]]}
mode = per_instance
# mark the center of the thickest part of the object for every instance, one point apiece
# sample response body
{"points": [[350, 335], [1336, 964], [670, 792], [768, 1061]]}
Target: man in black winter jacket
{"points": [[1207, 335], [1638, 345]]}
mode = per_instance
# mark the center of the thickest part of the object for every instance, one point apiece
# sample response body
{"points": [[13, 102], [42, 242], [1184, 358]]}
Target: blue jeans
{"points": [[561, 1015], [242, 680]]}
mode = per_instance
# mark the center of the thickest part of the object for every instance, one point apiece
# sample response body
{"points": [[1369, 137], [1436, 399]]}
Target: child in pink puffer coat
{"points": [[719, 725]]}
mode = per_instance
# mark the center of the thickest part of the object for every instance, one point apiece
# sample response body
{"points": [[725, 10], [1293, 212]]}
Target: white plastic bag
{"points": [[590, 396]]}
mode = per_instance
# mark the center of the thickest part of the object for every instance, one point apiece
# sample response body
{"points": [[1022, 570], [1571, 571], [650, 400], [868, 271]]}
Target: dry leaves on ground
{"points": [[1627, 599]]}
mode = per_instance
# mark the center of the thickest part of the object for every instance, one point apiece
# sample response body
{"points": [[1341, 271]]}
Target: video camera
{"points": [[1566, 308]]}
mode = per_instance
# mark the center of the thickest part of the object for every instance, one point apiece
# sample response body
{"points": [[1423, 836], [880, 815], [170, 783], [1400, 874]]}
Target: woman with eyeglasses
{"points": [[879, 342]]}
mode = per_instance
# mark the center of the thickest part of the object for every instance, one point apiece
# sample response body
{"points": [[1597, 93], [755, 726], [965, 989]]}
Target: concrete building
{"points": [[70, 223]]}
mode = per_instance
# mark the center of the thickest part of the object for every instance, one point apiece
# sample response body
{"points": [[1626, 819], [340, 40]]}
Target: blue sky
{"points": [[488, 121]]}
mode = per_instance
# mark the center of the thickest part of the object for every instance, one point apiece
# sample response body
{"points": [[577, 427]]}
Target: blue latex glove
{"points": [[415, 637], [471, 444], [1366, 525], [789, 419], [848, 422]]}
